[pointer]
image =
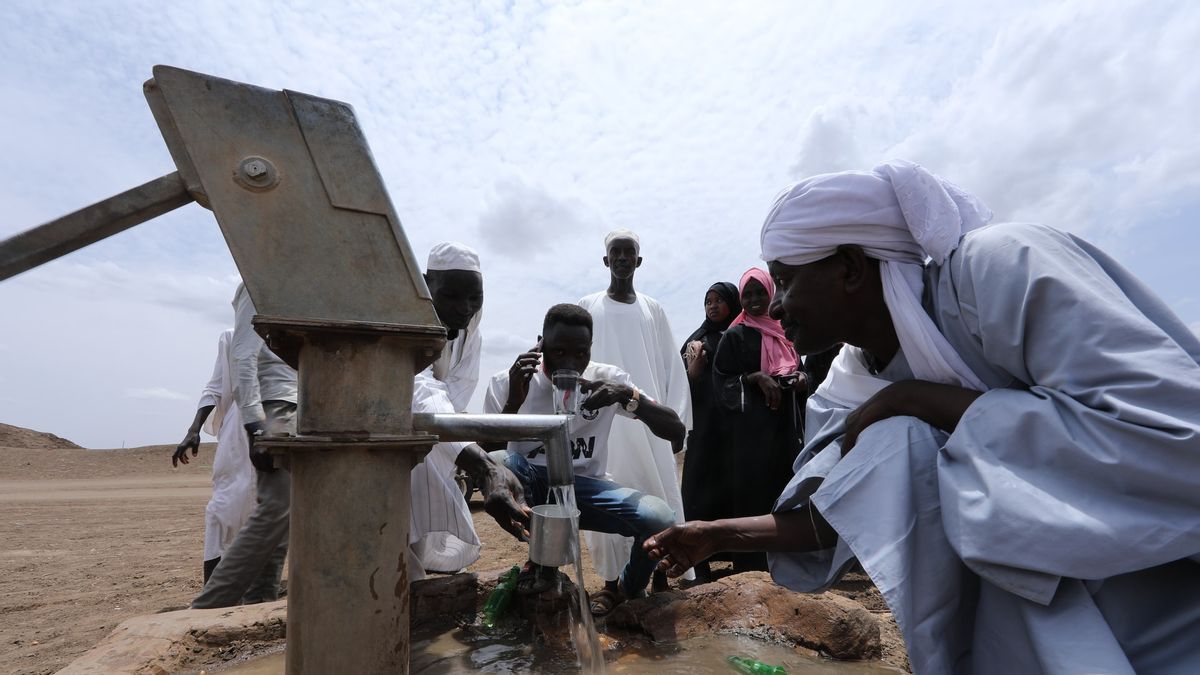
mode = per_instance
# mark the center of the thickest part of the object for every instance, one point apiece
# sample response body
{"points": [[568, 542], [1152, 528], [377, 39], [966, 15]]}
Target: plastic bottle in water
{"points": [[753, 667], [500, 597]]}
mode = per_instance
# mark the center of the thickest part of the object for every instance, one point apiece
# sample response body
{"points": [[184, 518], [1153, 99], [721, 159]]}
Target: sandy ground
{"points": [[90, 538]]}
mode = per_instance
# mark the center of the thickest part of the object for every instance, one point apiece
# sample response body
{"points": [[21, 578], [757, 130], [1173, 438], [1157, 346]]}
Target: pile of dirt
{"points": [[18, 437]]}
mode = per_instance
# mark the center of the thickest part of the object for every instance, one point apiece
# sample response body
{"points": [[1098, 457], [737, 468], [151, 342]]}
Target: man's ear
{"points": [[854, 267], [639, 262], [605, 261]]}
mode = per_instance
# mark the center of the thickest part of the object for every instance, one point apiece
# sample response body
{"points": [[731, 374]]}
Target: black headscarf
{"points": [[709, 332]]}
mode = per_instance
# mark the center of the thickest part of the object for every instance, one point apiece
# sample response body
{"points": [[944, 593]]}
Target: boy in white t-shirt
{"points": [[604, 506]]}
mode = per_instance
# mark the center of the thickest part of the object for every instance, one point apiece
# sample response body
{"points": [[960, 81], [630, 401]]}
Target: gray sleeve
{"points": [[1089, 472]]}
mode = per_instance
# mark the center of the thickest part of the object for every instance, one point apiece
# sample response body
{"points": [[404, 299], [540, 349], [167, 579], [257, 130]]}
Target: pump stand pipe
{"points": [[550, 429]]}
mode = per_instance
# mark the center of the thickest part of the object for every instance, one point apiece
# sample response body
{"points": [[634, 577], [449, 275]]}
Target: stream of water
{"points": [[583, 630]]}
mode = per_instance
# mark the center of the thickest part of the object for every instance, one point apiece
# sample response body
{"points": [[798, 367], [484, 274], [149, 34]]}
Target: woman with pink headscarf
{"points": [[756, 375]]}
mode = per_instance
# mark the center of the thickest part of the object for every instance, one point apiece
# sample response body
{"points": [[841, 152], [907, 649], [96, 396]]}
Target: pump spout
{"points": [[551, 430]]}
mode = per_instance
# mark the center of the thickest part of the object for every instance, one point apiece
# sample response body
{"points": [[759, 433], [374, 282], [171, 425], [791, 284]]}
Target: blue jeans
{"points": [[605, 506]]}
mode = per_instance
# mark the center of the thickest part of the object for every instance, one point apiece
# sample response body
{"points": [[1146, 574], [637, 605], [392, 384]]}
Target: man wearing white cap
{"points": [[1009, 444], [442, 535], [632, 332]]}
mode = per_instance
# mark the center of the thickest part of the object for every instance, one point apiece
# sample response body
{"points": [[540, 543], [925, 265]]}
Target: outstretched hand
{"points": [[503, 495], [190, 442], [680, 547], [504, 501]]}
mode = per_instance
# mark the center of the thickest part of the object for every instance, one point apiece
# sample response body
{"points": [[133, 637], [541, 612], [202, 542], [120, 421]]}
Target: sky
{"points": [[530, 129]]}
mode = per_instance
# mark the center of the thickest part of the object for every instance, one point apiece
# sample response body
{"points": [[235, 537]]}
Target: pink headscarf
{"points": [[778, 354]]}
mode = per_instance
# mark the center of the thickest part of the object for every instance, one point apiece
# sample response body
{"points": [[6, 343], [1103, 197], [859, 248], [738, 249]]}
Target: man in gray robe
{"points": [[1008, 444]]}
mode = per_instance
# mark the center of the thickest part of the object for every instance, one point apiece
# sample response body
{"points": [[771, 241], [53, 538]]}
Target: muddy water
{"points": [[464, 652]]}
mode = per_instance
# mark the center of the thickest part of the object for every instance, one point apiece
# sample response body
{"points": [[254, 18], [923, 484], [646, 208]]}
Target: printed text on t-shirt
{"points": [[580, 446]]}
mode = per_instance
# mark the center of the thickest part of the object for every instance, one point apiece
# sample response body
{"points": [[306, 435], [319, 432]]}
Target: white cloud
{"points": [[530, 129], [155, 393], [527, 222], [507, 345]]}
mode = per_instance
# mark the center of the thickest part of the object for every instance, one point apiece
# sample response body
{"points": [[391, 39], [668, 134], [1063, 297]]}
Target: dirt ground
{"points": [[89, 538]]}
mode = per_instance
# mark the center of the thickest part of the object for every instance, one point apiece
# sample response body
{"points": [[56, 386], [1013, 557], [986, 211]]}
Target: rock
{"points": [[549, 614], [751, 604], [162, 643], [440, 602]]}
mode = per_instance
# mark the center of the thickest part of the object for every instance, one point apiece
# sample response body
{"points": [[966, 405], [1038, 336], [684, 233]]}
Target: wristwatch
{"points": [[632, 404]]}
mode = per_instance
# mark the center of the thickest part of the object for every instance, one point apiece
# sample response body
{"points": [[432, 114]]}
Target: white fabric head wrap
{"points": [[623, 233], [900, 214], [451, 255]]}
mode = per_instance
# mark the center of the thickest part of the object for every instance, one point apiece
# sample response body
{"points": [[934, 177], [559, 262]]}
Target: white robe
{"points": [[1056, 530], [458, 365], [233, 477], [441, 533], [637, 338]]}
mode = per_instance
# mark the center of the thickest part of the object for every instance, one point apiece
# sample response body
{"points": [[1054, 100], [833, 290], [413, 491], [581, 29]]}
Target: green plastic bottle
{"points": [[500, 597], [752, 667]]}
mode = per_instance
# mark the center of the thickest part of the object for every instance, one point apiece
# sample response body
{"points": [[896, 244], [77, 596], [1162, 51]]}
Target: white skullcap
{"points": [[451, 255], [622, 233], [897, 211]]}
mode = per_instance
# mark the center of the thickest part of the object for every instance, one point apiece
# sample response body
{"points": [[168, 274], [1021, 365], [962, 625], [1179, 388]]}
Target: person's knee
{"points": [[900, 435], [516, 463], [654, 514]]}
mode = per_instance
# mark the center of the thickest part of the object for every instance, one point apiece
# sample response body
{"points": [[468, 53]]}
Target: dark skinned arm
{"points": [[659, 419], [519, 375], [503, 496], [192, 439], [681, 547], [938, 405]]}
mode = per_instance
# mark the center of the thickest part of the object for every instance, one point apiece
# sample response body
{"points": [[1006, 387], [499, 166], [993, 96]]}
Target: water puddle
{"points": [[462, 652]]}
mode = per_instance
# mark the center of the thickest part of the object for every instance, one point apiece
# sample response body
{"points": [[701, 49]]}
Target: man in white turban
{"points": [[1008, 444], [442, 534], [631, 331]]}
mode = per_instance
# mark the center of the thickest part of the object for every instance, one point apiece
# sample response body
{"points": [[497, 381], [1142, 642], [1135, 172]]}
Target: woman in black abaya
{"points": [[703, 498]]}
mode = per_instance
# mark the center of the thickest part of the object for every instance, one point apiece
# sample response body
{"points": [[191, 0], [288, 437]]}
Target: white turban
{"points": [[451, 255], [900, 214], [623, 233], [898, 211]]}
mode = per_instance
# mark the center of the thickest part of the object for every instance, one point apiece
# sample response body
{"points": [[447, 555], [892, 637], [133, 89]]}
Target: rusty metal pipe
{"points": [[90, 224]]}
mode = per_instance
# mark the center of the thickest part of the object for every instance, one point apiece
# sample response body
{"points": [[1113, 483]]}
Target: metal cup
{"points": [[551, 534], [566, 392]]}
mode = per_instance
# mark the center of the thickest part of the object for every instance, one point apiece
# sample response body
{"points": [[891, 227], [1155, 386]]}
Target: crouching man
{"points": [[604, 506]]}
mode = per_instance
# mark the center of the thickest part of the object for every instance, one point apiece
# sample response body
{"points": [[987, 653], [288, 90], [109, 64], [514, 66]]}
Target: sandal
{"points": [[535, 579], [604, 602]]}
